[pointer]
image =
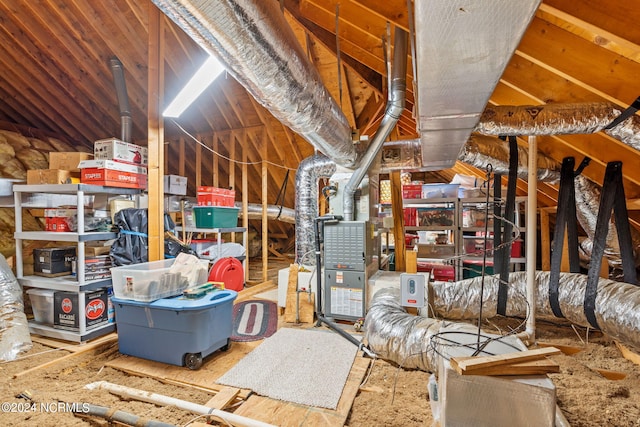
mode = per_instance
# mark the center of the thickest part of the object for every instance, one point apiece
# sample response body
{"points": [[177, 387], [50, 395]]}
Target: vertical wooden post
{"points": [[545, 240], [181, 157], [265, 222], [245, 202], [155, 127], [215, 167], [398, 220], [232, 168], [198, 162]]}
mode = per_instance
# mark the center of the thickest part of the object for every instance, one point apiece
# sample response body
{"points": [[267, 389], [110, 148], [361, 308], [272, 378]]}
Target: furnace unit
{"points": [[349, 260]]}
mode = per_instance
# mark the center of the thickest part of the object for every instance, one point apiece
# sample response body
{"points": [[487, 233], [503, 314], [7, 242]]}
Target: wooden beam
{"points": [[592, 33], [265, 219], [245, 202], [156, 134], [398, 224]]}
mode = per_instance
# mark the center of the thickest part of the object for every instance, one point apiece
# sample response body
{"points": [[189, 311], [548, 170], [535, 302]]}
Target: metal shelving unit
{"points": [[64, 283], [456, 231]]}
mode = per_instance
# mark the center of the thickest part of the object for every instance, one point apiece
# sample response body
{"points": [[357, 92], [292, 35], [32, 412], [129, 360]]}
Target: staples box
{"points": [[174, 184], [113, 178], [114, 149]]}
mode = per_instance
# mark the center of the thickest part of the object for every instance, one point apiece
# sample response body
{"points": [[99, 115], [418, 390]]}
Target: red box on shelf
{"points": [[214, 196], [412, 191], [410, 216], [440, 272], [113, 178], [57, 223]]}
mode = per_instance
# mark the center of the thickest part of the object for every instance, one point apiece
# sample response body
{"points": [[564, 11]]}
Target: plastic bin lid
{"points": [[180, 303]]}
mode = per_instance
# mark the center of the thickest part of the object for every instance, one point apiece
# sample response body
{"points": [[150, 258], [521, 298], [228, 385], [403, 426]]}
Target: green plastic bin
{"points": [[216, 216]]}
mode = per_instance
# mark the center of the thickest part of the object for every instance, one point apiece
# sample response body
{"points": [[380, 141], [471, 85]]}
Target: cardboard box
{"points": [[66, 309], [60, 212], [95, 267], [68, 161], [113, 165], [112, 178], [48, 176], [175, 184], [115, 149], [91, 250], [52, 262]]}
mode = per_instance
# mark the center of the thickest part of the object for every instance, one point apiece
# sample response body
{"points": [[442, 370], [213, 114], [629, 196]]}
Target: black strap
{"points": [[281, 193], [630, 111], [565, 218], [503, 254], [612, 198]]}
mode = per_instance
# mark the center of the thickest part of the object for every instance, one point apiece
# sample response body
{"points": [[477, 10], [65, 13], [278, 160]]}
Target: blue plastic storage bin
{"points": [[180, 331]]}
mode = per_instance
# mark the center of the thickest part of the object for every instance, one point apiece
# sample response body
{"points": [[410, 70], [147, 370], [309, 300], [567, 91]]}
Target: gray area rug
{"points": [[305, 366]]}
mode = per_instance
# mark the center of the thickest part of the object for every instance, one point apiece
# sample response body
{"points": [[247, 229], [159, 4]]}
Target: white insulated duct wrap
{"points": [[258, 47]]}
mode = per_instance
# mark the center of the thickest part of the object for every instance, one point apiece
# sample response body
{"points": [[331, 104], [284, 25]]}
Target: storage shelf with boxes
{"points": [[78, 299]]}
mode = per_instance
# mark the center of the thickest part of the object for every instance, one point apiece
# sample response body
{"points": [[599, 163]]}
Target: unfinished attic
{"points": [[398, 213]]}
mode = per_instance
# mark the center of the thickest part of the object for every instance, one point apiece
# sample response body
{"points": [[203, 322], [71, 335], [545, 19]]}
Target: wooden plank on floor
{"points": [[471, 365], [223, 398], [213, 367], [248, 293], [83, 348], [292, 289], [72, 347], [283, 414]]}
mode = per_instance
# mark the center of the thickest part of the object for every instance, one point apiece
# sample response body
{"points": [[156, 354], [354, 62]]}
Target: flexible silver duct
{"points": [[309, 172], [274, 212], [14, 329], [117, 70], [557, 119], [394, 109], [258, 47], [481, 150], [617, 307], [405, 339], [393, 334]]}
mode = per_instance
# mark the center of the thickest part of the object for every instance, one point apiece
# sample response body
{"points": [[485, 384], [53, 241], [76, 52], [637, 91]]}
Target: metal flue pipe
{"points": [[123, 99], [395, 106]]}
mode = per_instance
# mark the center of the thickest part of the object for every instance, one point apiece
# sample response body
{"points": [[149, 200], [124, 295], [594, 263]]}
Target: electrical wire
{"points": [[228, 158]]}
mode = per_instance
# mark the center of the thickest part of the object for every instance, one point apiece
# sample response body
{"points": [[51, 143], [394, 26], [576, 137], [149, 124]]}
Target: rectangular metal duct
{"points": [[462, 49]]}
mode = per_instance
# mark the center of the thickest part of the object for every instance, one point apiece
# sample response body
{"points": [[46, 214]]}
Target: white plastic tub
{"points": [[42, 304]]}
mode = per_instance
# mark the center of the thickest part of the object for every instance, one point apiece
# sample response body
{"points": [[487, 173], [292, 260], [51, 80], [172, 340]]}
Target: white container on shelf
{"points": [[42, 304]]}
